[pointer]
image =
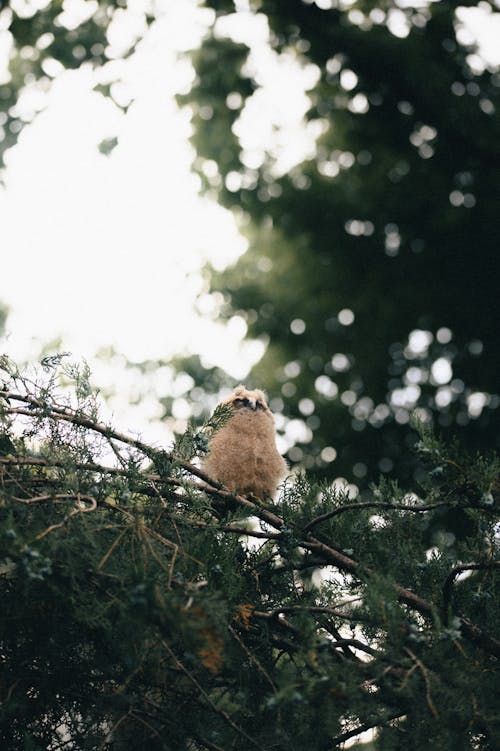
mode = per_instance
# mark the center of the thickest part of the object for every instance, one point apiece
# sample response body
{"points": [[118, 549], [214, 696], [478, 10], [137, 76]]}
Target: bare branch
{"points": [[425, 674], [252, 658], [364, 727], [450, 579], [370, 504]]}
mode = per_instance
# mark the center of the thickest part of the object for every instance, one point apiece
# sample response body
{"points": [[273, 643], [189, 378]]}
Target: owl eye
{"points": [[241, 401], [259, 405]]}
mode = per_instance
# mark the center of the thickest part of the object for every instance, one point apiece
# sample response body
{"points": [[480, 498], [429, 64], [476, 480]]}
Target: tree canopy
{"points": [[144, 606]]}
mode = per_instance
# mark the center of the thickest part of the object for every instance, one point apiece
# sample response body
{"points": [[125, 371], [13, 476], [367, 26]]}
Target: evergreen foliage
{"points": [[143, 606]]}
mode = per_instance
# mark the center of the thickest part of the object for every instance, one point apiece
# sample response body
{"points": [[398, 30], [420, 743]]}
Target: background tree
{"points": [[373, 269], [126, 624]]}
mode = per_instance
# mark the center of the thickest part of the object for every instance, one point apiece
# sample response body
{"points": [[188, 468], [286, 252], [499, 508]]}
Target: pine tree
{"points": [[144, 606]]}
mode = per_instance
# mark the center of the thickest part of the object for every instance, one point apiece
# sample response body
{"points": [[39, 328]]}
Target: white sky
{"points": [[106, 250]]}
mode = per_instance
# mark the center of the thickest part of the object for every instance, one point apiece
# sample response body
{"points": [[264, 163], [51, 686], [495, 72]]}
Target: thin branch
{"points": [[69, 415], [470, 630], [113, 545], [252, 657], [344, 562], [74, 512], [450, 579], [364, 727], [370, 504], [234, 530], [425, 674], [274, 617], [346, 650], [36, 461], [307, 609], [207, 744], [227, 719], [58, 497], [357, 645], [340, 642]]}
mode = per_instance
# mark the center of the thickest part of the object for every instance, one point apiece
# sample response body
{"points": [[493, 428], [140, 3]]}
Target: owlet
{"points": [[243, 454]]}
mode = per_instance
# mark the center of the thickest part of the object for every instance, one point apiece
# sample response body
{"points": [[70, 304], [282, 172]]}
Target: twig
{"points": [[74, 512], [36, 461], [357, 645], [364, 727], [207, 744], [470, 630], [252, 657], [309, 609], [227, 719], [425, 674], [370, 504], [113, 545], [244, 531], [57, 497], [450, 579]]}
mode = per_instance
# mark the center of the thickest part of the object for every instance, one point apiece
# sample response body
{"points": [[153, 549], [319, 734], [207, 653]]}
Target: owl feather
{"points": [[243, 454]]}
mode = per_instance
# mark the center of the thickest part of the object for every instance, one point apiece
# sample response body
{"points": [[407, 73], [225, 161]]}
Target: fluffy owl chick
{"points": [[243, 454]]}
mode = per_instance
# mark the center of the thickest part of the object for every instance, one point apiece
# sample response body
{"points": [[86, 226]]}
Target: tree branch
{"points": [[450, 579], [370, 504], [364, 727], [64, 413], [470, 630], [227, 719]]}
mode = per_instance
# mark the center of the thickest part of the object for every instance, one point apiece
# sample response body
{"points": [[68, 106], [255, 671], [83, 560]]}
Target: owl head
{"points": [[243, 399]]}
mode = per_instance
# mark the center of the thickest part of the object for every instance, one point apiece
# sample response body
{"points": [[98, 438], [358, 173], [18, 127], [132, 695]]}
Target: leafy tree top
{"points": [[145, 606]]}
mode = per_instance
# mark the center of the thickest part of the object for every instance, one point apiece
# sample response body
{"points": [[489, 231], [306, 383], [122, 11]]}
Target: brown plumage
{"points": [[243, 454]]}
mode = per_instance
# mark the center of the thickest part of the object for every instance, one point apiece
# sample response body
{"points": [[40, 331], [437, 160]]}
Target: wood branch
{"points": [[450, 579], [37, 409], [224, 715], [370, 504], [471, 631], [243, 531], [212, 487], [357, 644], [58, 497], [364, 727]]}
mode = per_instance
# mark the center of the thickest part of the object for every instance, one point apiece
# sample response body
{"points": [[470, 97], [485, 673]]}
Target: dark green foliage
{"points": [[140, 610], [395, 218], [195, 440]]}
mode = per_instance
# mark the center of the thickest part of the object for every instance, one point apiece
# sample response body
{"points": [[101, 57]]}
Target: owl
{"points": [[243, 454]]}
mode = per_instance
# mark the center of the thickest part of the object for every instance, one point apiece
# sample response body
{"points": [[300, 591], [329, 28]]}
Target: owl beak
{"points": [[252, 403]]}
